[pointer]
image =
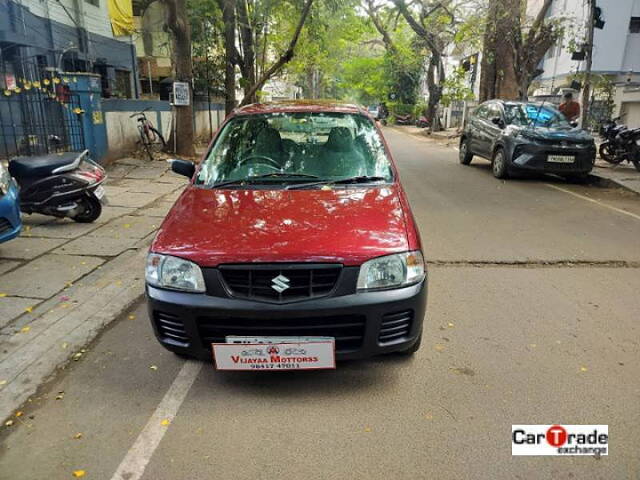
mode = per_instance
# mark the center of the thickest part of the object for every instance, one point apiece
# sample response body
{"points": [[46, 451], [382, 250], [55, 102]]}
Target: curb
{"points": [[60, 332], [610, 182]]}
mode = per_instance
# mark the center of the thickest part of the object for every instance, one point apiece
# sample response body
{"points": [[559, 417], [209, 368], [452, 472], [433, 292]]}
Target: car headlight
{"points": [[392, 271], [175, 273], [5, 180]]}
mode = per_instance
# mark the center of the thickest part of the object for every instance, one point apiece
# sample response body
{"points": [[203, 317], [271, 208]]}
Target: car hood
{"points": [[343, 225], [559, 134]]}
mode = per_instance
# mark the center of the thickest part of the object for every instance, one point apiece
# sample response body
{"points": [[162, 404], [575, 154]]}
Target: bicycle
{"points": [[149, 135]]}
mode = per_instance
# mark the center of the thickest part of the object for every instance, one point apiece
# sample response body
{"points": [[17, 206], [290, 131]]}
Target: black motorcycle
{"points": [[620, 143], [65, 184]]}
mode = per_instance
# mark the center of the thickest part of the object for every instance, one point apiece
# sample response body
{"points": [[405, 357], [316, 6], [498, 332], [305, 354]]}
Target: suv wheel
{"points": [[465, 156], [499, 164]]}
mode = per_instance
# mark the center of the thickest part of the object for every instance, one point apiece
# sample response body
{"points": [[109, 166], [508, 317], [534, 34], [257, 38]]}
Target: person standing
{"points": [[570, 108]]}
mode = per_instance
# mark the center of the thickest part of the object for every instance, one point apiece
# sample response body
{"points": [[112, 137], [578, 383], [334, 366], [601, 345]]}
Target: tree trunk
{"points": [[178, 23], [248, 50], [434, 86], [229, 20]]}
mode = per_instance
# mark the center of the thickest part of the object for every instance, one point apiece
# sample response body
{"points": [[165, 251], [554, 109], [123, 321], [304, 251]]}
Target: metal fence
{"points": [[35, 122]]}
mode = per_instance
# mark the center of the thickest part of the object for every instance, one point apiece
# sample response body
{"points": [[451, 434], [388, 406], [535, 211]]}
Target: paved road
{"points": [[533, 319]]}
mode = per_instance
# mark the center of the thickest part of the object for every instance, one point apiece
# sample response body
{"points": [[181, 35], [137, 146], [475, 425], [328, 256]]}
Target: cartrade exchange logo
{"points": [[560, 440]]}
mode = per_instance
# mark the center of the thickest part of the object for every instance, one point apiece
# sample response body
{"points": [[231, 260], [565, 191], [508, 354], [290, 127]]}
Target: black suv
{"points": [[524, 136]]}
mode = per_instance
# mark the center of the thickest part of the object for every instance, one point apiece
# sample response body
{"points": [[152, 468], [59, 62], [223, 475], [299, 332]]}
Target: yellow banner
{"points": [[121, 13]]}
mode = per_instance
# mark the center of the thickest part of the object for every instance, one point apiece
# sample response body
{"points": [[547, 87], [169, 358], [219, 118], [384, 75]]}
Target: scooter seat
{"points": [[42, 165]]}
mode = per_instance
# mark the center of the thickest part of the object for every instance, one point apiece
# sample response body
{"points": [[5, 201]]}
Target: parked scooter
{"points": [[65, 184], [422, 122], [404, 119], [620, 143]]}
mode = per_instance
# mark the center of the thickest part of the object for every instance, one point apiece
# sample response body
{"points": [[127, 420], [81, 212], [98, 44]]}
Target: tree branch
{"points": [[284, 58]]}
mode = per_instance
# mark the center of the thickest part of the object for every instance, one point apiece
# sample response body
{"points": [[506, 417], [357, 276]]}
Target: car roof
{"points": [[301, 106]]}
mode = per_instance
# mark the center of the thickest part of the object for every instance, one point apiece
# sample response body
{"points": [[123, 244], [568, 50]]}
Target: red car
{"points": [[294, 229]]}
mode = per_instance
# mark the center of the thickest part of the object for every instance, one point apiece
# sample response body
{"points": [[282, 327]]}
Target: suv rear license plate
{"points": [[561, 158], [274, 353]]}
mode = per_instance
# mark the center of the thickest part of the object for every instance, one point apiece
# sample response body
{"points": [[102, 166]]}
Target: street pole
{"points": [[586, 88]]}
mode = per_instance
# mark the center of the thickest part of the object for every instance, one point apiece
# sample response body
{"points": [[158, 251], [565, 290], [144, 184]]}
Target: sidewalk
{"points": [[61, 282]]}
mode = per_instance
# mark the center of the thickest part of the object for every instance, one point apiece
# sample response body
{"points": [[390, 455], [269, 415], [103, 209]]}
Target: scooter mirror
{"points": [[182, 167]]}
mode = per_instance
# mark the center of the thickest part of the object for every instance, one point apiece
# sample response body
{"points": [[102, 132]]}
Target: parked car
{"points": [[287, 231], [10, 223], [527, 137]]}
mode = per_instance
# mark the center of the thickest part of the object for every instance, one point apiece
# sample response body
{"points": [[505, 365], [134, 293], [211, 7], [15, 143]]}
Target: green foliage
{"points": [[455, 88]]}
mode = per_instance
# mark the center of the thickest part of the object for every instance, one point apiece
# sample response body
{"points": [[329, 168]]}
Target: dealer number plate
{"points": [[274, 353], [561, 158]]}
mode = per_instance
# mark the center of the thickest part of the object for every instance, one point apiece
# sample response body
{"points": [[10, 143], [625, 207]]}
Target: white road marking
{"points": [[135, 462], [605, 205]]}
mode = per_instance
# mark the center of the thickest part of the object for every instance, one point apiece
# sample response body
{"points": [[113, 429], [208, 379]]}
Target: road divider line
{"points": [[605, 205], [137, 458]]}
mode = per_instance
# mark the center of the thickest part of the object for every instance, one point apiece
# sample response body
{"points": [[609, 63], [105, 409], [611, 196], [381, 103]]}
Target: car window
{"points": [[321, 146], [534, 114], [481, 111]]}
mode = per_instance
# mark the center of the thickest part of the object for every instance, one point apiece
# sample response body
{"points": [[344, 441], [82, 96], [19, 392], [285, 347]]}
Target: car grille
{"points": [[348, 330], [299, 282], [395, 326], [171, 329], [5, 226]]}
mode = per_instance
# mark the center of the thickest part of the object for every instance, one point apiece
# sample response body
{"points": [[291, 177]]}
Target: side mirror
{"points": [[182, 167], [497, 121], [574, 124]]}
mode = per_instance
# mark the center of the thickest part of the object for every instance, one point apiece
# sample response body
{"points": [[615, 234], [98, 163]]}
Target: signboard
{"points": [[181, 95]]}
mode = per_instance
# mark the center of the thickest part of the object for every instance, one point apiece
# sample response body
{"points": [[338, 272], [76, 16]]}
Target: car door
{"points": [[492, 131], [475, 128], [483, 130]]}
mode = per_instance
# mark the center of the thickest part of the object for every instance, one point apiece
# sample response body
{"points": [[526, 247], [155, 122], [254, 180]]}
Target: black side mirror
{"points": [[497, 121], [183, 167], [574, 124]]}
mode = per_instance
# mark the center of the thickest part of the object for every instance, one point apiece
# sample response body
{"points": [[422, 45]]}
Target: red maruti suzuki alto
{"points": [[292, 246]]}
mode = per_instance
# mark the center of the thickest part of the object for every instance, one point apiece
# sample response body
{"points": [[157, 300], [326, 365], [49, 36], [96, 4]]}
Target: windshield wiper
{"points": [[241, 181], [340, 181]]}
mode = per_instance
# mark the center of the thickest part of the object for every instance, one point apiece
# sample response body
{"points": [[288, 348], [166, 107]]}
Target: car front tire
{"points": [[465, 156], [499, 164]]}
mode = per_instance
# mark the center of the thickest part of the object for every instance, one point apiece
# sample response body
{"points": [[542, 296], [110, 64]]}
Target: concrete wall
{"points": [[628, 106], [122, 132]]}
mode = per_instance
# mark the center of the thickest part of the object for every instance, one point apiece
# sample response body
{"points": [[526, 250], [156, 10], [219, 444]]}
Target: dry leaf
{"points": [[132, 317], [583, 369], [25, 329], [8, 423], [367, 429], [440, 348], [3, 382], [28, 309], [165, 422], [77, 436], [450, 325], [76, 356], [153, 367], [19, 413], [2, 295], [79, 473], [60, 396]]}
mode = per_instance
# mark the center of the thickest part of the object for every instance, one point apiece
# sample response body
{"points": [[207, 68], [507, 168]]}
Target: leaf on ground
{"points": [[60, 396], [153, 367], [450, 325], [28, 309], [439, 348], [25, 329], [367, 429], [428, 416], [68, 284], [583, 369], [126, 225], [76, 356], [19, 413], [77, 436], [79, 473], [8, 423], [2, 295], [165, 422], [3, 382], [132, 317]]}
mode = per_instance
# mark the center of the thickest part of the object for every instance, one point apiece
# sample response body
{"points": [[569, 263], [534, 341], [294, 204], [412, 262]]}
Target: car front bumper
{"points": [[364, 324], [534, 157], [10, 222]]}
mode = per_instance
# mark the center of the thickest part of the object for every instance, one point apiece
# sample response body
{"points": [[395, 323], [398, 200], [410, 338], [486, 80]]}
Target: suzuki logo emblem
{"points": [[280, 283]]}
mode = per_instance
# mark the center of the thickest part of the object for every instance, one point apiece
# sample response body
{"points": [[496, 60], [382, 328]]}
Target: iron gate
{"points": [[36, 122]]}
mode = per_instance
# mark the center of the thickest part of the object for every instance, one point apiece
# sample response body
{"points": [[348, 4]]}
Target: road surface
{"points": [[532, 319]]}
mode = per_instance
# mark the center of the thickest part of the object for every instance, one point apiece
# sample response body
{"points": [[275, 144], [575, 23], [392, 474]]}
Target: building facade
{"points": [[616, 51], [38, 37]]}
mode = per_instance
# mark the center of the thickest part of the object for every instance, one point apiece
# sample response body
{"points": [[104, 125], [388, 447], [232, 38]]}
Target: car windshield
{"points": [[285, 148], [536, 115]]}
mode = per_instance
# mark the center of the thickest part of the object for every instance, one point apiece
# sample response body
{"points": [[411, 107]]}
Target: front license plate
{"points": [[275, 356], [561, 158]]}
